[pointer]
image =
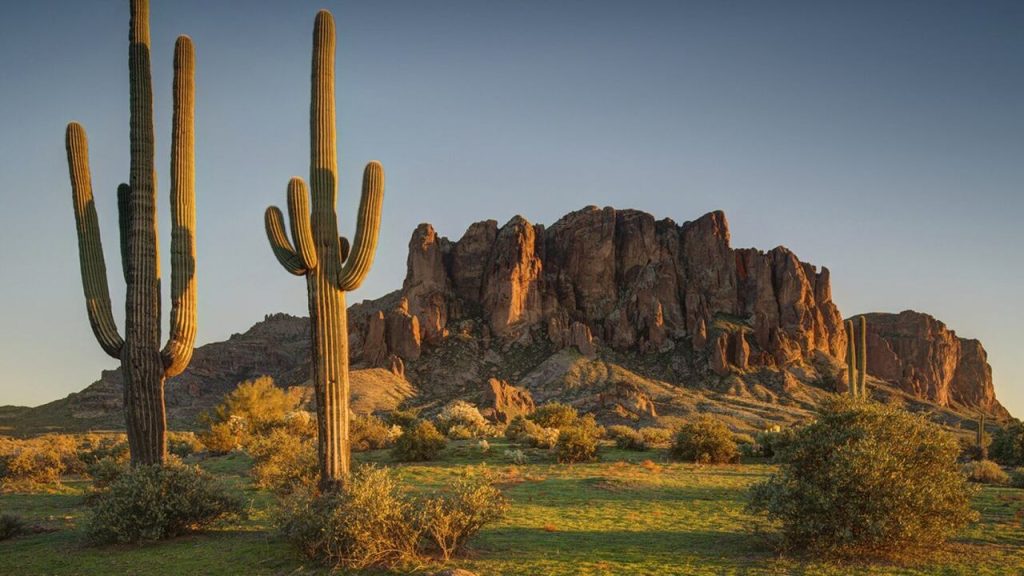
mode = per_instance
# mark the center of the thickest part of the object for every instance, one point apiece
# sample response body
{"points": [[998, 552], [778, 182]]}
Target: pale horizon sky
{"points": [[884, 140]]}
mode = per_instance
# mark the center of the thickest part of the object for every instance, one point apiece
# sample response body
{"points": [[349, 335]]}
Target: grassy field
{"points": [[631, 514]]}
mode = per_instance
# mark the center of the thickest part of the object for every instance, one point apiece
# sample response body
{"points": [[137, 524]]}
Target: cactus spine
{"points": [[857, 358], [325, 259], [143, 364]]}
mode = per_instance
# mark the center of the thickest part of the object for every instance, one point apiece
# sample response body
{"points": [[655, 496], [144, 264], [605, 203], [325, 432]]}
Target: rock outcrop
{"points": [[619, 279], [925, 358]]}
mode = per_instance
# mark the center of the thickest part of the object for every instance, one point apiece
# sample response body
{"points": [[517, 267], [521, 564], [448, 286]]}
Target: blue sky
{"points": [[884, 140]]}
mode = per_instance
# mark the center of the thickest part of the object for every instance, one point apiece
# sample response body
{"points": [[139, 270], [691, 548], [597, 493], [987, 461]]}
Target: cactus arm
{"points": [[298, 216], [178, 351], [90, 245], [124, 220], [360, 258], [279, 243]]}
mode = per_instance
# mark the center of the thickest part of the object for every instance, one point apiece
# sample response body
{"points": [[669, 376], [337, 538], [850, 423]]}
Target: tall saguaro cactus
{"points": [[143, 364], [851, 358], [331, 268]]}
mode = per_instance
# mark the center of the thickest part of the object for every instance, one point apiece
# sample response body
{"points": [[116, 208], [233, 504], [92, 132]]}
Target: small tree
{"points": [[866, 478], [705, 440]]}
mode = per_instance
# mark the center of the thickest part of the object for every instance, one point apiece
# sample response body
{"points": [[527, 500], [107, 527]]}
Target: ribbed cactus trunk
{"points": [[851, 358], [144, 365], [323, 257]]}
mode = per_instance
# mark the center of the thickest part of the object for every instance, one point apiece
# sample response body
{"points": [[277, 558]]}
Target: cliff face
{"points": [[620, 277], [629, 317], [925, 358]]}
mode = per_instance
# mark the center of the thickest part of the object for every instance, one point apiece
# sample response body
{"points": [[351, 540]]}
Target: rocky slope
{"points": [[633, 318]]}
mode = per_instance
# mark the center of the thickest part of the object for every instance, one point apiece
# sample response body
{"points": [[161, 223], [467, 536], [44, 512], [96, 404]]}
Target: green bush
{"points": [[705, 440], [627, 438], [459, 512], [554, 415], [156, 502], [419, 442], [284, 460], [466, 417], [769, 441], [183, 444], [11, 526], [1017, 478], [106, 470], [1008, 444], [252, 408], [529, 433], [656, 437], [402, 418], [866, 479], [369, 433], [576, 444], [368, 523], [986, 472], [36, 463]]}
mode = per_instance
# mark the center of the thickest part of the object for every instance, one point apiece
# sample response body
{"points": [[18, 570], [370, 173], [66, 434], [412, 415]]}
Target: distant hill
{"points": [[635, 319]]}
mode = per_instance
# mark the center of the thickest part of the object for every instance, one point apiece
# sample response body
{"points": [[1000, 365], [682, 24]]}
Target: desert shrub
{"points": [[95, 447], [37, 462], [458, 513], [222, 437], [484, 446], [986, 472], [464, 415], [155, 502], [589, 424], [866, 479], [367, 432], [254, 407], [401, 418], [529, 433], [106, 470], [705, 440], [656, 437], [370, 522], [1017, 478], [11, 526], [283, 460], [769, 441], [554, 415], [418, 443], [516, 455], [627, 438], [575, 444], [1008, 444], [459, 432], [183, 444]]}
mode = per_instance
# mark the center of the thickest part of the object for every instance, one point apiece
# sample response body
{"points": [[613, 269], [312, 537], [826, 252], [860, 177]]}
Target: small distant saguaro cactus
{"points": [[851, 358], [857, 358], [862, 358], [144, 365], [331, 268], [979, 438]]}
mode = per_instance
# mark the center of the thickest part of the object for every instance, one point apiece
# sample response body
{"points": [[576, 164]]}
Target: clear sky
{"points": [[884, 140]]}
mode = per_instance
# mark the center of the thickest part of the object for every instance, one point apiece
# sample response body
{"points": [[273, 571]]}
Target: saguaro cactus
{"points": [[851, 358], [143, 364], [325, 259], [857, 358], [862, 359]]}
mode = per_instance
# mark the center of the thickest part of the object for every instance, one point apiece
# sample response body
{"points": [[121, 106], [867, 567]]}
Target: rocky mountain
{"points": [[633, 318]]}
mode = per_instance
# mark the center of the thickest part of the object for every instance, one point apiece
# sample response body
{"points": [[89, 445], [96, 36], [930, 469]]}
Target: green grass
{"points": [[618, 516]]}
